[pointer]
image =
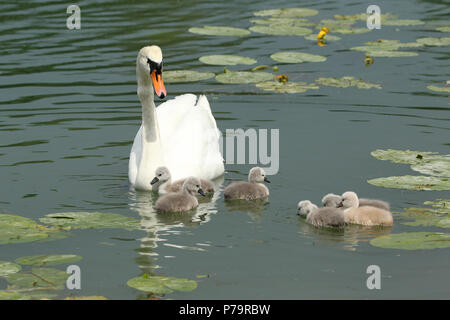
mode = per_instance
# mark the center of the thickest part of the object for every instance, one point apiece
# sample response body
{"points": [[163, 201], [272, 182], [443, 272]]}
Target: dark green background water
{"points": [[69, 113]]}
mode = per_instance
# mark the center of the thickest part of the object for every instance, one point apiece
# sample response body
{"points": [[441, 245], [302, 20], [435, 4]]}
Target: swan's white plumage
{"points": [[189, 139]]}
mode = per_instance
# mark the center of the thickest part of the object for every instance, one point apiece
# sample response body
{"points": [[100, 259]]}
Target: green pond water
{"points": [[69, 113]]}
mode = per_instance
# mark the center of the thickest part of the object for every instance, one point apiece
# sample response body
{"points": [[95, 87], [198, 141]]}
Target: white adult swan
{"points": [[180, 134]]}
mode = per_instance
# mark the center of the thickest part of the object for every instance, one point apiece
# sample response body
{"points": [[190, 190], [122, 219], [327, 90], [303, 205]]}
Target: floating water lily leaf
{"points": [[17, 229], [444, 29], [180, 76], [226, 60], [296, 57], [345, 82], [334, 24], [328, 37], [412, 182], [286, 87], [281, 29], [7, 268], [87, 298], [401, 156], [161, 285], [220, 31], [287, 12], [436, 166], [413, 240], [38, 278], [442, 204], [439, 89], [13, 295], [289, 21], [88, 220], [48, 260], [391, 54], [426, 217], [364, 16], [385, 45], [243, 77], [434, 41], [402, 22], [351, 30]]}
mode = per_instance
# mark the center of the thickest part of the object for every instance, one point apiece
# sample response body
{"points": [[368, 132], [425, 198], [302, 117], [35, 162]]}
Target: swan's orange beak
{"points": [[158, 84]]}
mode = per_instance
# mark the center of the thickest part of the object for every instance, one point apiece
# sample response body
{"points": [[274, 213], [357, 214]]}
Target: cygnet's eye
{"points": [[159, 175], [262, 175], [197, 186]]}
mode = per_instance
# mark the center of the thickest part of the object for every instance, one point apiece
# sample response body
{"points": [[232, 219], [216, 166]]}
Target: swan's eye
{"points": [[197, 186], [159, 175]]}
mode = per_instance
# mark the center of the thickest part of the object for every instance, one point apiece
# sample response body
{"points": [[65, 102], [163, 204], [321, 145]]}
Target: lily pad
{"points": [[226, 60], [286, 87], [439, 89], [442, 204], [38, 278], [90, 220], [17, 229], [161, 284], [296, 57], [7, 268], [413, 240], [181, 76], [48, 260], [351, 30], [290, 21], [443, 29], [243, 77], [402, 22], [401, 156], [426, 217], [434, 41], [328, 37], [281, 29], [87, 298], [346, 82], [13, 295], [391, 54], [437, 166], [220, 31], [425, 183], [287, 12]]}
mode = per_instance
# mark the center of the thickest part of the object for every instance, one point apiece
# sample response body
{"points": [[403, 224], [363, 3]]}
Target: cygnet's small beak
{"points": [[158, 83], [155, 180], [201, 192], [266, 180]]}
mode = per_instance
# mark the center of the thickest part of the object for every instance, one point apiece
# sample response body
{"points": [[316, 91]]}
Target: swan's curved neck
{"points": [[151, 156]]}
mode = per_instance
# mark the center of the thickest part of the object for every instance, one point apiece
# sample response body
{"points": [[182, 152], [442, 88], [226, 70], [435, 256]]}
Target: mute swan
{"points": [[180, 134], [333, 200], [321, 217], [181, 201], [364, 215], [251, 190], [163, 182]]}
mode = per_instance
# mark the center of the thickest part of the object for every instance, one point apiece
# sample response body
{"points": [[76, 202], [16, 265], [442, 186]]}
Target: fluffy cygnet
{"points": [[321, 217], [183, 200], [364, 215], [162, 182], [251, 190], [331, 200]]}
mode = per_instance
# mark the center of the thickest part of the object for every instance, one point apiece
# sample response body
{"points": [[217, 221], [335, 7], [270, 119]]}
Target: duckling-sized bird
{"points": [[162, 182], [183, 200], [364, 215], [332, 200], [251, 190], [321, 217]]}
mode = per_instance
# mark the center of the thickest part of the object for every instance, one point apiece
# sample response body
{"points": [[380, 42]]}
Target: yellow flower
{"points": [[322, 33]]}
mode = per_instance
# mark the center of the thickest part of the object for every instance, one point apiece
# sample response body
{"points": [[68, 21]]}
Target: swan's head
{"points": [[150, 63], [162, 175], [305, 207], [331, 200], [349, 200], [193, 186], [257, 174]]}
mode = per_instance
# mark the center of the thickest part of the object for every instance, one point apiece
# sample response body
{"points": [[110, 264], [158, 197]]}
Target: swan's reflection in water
{"points": [[349, 237], [161, 225]]}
